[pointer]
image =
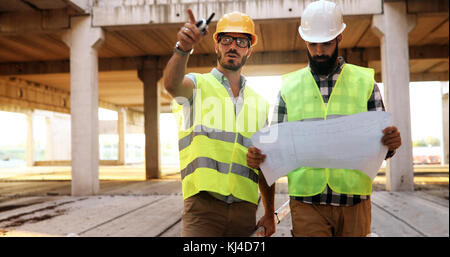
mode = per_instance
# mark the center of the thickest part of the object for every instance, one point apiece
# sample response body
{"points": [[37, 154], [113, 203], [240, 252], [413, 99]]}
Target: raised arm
{"points": [[173, 76]]}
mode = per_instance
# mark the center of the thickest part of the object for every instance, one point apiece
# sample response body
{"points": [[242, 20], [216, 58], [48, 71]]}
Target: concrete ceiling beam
{"points": [[355, 55], [33, 22], [130, 12]]}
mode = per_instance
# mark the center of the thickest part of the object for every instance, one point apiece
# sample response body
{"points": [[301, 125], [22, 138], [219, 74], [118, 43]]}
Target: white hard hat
{"points": [[321, 22]]}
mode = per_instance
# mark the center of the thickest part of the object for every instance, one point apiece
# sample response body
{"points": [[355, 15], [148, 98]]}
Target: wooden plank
{"points": [[384, 224], [111, 185], [439, 35], [173, 231], [418, 66], [14, 5], [34, 188], [441, 67], [78, 215], [56, 80], [275, 39], [151, 187], [299, 42], [9, 218], [369, 39], [148, 221], [424, 25], [48, 44], [120, 45], [425, 217], [17, 44], [433, 196], [8, 204], [139, 38], [430, 6], [356, 27], [162, 40], [441, 31], [10, 187]]}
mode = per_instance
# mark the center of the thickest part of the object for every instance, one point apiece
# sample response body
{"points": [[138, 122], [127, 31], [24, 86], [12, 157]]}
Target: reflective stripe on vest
{"points": [[304, 102], [201, 130], [213, 150], [205, 162]]}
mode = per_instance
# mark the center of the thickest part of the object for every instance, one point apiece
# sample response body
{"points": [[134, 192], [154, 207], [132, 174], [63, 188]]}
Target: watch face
{"points": [[179, 51], [178, 46]]}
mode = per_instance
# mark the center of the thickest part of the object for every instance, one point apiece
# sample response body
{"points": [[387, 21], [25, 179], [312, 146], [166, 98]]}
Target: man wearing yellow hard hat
{"points": [[328, 202], [216, 114]]}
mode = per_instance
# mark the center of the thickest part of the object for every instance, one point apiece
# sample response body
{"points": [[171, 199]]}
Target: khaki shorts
{"points": [[314, 220], [206, 216]]}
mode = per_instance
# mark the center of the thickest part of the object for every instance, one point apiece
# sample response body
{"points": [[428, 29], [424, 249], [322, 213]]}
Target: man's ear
{"points": [[250, 50]]}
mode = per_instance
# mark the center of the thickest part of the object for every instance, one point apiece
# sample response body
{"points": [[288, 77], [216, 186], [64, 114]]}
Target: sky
{"points": [[425, 101], [426, 110]]}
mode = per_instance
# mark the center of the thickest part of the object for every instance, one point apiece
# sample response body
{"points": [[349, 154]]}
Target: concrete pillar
{"points": [[48, 139], [121, 128], [149, 74], [84, 41], [445, 128], [29, 152], [392, 27]]}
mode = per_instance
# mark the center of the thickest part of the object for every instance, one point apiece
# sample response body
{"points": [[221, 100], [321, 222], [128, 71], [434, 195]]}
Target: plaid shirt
{"points": [[326, 84]]}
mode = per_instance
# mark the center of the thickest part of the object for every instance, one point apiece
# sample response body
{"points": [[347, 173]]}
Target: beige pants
{"points": [[206, 216], [314, 220]]}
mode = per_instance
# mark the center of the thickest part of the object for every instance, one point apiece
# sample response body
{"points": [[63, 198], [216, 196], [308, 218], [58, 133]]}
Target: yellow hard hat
{"points": [[236, 22]]}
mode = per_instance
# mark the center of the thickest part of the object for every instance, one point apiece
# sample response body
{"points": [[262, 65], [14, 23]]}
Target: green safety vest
{"points": [[304, 101], [213, 146]]}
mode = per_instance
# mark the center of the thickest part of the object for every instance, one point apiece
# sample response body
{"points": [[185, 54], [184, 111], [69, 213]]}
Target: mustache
{"points": [[232, 51], [321, 57]]}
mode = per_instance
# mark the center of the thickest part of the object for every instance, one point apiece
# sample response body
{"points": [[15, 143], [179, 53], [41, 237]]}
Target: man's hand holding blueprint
{"points": [[348, 142]]}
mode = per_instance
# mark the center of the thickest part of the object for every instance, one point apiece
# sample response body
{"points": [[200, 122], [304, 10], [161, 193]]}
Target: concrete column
{"points": [[29, 153], [392, 27], [48, 139], [121, 128], [445, 128], [149, 74], [84, 41]]}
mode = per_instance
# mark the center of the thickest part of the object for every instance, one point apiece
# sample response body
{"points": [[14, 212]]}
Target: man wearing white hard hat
{"points": [[329, 202]]}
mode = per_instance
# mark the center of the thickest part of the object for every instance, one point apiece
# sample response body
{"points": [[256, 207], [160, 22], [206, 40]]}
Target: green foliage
{"points": [[419, 143], [12, 153], [433, 141], [428, 141]]}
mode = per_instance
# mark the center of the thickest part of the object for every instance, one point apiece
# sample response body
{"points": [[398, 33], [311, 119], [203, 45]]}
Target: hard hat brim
{"points": [[317, 39]]}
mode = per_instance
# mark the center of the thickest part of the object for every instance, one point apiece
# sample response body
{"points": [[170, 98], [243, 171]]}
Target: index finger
{"points": [[191, 16]]}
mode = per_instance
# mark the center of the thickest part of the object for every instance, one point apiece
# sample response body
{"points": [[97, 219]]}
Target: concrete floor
{"points": [[34, 205]]}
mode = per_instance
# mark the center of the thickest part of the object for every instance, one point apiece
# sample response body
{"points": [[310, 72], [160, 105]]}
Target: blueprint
{"points": [[347, 142]]}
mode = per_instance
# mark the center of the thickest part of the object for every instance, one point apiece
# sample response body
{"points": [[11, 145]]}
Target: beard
{"points": [[231, 64], [326, 64]]}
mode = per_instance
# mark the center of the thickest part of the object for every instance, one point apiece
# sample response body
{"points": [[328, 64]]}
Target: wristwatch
{"points": [[178, 50]]}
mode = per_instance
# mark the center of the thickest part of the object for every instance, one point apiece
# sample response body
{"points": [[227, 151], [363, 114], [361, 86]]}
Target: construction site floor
{"points": [[34, 204]]}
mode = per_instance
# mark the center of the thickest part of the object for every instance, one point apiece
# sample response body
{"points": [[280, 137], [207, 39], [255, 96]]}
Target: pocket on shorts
{"points": [[190, 203]]}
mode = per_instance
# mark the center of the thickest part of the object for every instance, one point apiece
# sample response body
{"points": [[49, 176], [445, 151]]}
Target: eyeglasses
{"points": [[242, 42]]}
